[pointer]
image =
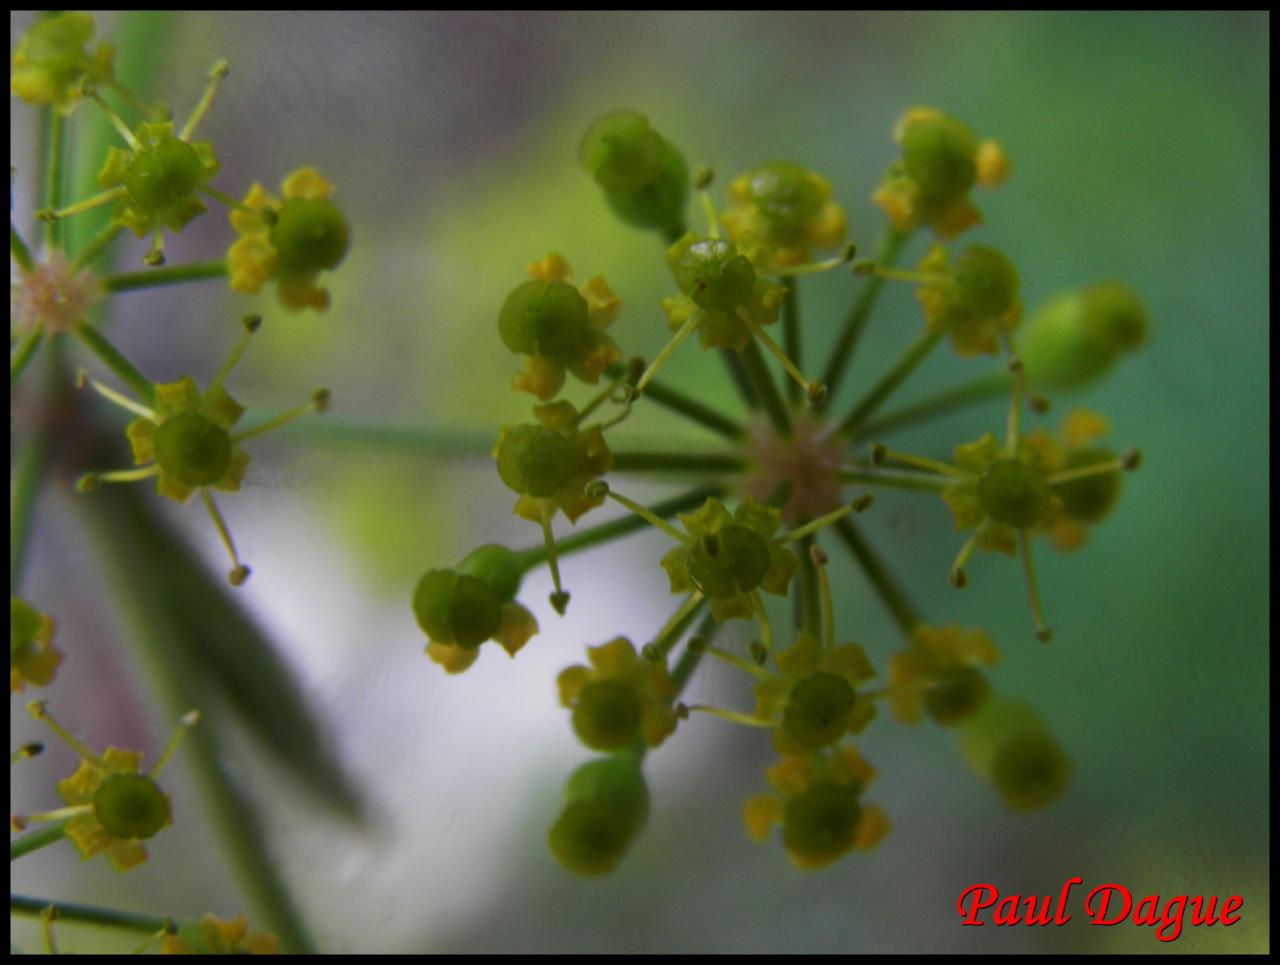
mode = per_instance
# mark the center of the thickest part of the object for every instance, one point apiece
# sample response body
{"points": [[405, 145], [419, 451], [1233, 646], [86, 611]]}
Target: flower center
{"points": [[808, 461]]}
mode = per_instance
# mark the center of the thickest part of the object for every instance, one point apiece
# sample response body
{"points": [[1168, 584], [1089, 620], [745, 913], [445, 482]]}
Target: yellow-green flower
{"points": [[125, 807], [558, 327], [930, 183], [1083, 501], [158, 178], [216, 936], [722, 294], [1002, 493], [818, 803], [813, 703], [33, 659], [50, 63], [549, 463], [619, 699], [975, 300], [728, 558], [290, 242], [938, 674], [785, 208]]}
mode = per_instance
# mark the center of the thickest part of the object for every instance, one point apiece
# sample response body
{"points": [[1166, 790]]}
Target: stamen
{"points": [[800, 532], [702, 181], [902, 274], [1084, 472], [209, 191], [189, 720], [734, 660], [318, 404], [815, 267], [1043, 633], [814, 389], [957, 576], [154, 257], [92, 480], [734, 716], [111, 395], [90, 91], [88, 204], [251, 325], [600, 488], [239, 572], [216, 74], [879, 454], [40, 711], [559, 599], [30, 749], [685, 331]]}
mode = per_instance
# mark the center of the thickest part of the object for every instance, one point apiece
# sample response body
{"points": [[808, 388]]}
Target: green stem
{"points": [[895, 600], [87, 914], [24, 353], [690, 408], [804, 602], [171, 275], [125, 370], [766, 388], [101, 241], [890, 245], [537, 555], [678, 462], [791, 334], [688, 661], [19, 251], [876, 396], [55, 149], [917, 482], [29, 471], [35, 840], [984, 389]]}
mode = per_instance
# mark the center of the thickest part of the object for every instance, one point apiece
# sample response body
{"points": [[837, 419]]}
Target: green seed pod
{"points": [[497, 566], [309, 235], [606, 716], [164, 174], [193, 448], [622, 152], [131, 806], [545, 318], [1091, 498], [821, 823], [535, 460], [1076, 336], [940, 156], [786, 194], [462, 610], [1030, 771], [713, 273], [818, 710], [606, 805], [1013, 492], [987, 281], [732, 561], [956, 695]]}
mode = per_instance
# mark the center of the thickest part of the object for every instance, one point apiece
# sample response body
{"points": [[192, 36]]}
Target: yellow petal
{"points": [[570, 683], [307, 183], [517, 627], [603, 305], [541, 377], [657, 721], [993, 165], [872, 826], [300, 291], [614, 659], [760, 813], [951, 219], [452, 658], [554, 267], [910, 116], [1081, 427], [126, 854]]}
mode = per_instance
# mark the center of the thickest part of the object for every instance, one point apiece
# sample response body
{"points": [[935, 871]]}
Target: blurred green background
{"points": [[1140, 151]]}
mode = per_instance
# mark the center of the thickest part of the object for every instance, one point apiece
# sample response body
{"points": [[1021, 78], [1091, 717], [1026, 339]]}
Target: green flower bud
{"points": [[957, 693], [1089, 499], [732, 561], [787, 195], [461, 610], [537, 461], [1075, 337], [131, 806], [193, 448], [57, 43], [546, 318], [309, 235], [713, 273], [645, 179], [164, 174], [987, 281], [497, 566], [940, 156], [622, 151], [1030, 771], [606, 805], [818, 710], [1013, 492], [821, 823], [606, 716]]}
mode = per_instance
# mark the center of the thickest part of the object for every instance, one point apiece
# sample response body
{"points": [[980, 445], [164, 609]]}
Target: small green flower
{"points": [[728, 558], [50, 63], [33, 659], [645, 179], [1075, 337], [786, 208], [619, 699], [606, 804], [975, 300], [722, 290]]}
